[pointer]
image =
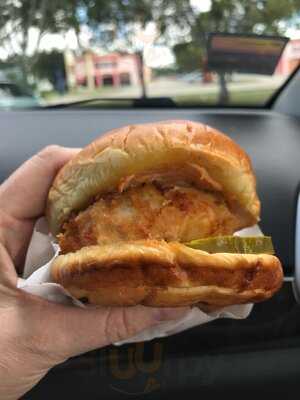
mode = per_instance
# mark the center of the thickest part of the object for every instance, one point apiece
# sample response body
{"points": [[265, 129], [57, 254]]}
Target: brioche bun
{"points": [[137, 149], [154, 272]]}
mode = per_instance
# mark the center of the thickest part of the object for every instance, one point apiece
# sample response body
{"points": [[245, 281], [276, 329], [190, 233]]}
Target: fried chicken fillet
{"points": [[178, 214], [125, 207]]}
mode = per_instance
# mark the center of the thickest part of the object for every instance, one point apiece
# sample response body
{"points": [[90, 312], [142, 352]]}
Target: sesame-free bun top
{"points": [[136, 150]]}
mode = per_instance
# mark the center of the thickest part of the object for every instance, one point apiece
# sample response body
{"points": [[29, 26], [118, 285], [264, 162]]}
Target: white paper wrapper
{"points": [[37, 280]]}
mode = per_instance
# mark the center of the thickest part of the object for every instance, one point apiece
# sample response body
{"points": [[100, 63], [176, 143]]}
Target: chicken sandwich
{"points": [[146, 215]]}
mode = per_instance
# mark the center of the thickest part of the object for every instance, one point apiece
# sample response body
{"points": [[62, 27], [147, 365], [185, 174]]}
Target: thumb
{"points": [[80, 330], [24, 193]]}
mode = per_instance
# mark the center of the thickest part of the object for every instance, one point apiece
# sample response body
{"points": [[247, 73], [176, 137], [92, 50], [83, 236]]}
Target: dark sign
{"points": [[254, 54]]}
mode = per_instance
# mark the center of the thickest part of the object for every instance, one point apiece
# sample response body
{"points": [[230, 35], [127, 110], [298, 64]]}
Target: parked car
{"points": [[14, 96], [192, 77]]}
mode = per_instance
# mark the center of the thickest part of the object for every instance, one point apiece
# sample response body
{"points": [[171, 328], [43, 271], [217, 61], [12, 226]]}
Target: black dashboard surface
{"points": [[255, 357], [272, 141]]}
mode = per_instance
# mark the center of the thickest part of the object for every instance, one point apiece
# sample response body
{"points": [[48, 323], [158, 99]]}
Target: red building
{"points": [[290, 58], [113, 69]]}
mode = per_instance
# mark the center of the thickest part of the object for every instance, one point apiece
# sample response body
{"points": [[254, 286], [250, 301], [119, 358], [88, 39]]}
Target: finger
{"points": [[23, 195], [8, 276], [80, 330]]}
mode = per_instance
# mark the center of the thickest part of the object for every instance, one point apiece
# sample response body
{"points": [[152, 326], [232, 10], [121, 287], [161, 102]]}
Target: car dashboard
{"points": [[243, 357]]}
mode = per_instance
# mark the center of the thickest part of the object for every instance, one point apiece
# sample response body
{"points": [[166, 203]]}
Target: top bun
{"points": [[138, 149]]}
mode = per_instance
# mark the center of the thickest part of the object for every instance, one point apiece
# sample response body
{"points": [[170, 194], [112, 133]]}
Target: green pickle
{"points": [[234, 244]]}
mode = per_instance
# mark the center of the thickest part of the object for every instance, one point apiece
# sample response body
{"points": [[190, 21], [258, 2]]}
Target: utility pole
{"points": [[223, 94], [142, 74]]}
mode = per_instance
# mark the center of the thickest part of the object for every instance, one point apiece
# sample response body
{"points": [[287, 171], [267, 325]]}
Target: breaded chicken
{"points": [[151, 212]]}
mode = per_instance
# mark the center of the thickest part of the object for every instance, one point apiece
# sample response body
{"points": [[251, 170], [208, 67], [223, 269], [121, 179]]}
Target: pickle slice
{"points": [[234, 244]]}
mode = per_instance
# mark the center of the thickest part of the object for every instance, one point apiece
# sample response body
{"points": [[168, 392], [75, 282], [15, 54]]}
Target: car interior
{"points": [[257, 356], [260, 353]]}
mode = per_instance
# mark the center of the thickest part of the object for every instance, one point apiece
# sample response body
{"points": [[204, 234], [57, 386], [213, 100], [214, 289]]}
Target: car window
{"points": [[192, 53]]}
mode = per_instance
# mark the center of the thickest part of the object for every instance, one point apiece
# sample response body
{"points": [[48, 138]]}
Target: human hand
{"points": [[35, 334]]}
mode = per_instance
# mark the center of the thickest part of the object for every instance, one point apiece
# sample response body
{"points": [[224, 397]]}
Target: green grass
{"points": [[78, 94], [236, 98]]}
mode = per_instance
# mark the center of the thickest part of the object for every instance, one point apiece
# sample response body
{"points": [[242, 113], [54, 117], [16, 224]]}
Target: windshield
{"points": [[144, 52]]}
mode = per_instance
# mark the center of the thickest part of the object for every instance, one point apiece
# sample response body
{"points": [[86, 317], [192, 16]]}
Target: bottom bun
{"points": [[156, 273]]}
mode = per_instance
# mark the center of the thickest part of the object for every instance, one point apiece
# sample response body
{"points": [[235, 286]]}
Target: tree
{"points": [[189, 56], [243, 16], [107, 19], [51, 66], [127, 15], [19, 17]]}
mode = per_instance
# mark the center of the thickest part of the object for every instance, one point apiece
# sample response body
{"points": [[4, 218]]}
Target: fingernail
{"points": [[169, 314]]}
